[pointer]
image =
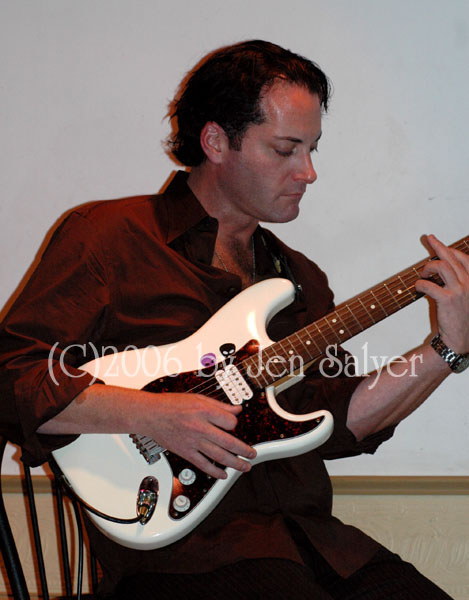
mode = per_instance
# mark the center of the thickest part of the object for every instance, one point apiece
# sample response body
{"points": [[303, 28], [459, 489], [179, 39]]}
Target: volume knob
{"points": [[181, 503], [187, 476]]}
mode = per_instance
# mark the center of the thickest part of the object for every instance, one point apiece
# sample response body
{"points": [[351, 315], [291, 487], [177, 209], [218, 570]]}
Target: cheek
{"points": [[260, 173], [268, 169]]}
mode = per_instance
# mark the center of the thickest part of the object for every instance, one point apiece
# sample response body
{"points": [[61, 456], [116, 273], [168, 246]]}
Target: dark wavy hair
{"points": [[226, 87]]}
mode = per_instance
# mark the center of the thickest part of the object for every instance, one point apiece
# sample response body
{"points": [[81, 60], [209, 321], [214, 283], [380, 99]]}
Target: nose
{"points": [[306, 171]]}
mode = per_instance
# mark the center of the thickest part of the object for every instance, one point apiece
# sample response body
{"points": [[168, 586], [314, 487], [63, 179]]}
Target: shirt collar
{"points": [[183, 209]]}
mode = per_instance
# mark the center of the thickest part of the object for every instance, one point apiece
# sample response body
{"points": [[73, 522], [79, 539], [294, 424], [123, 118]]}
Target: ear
{"points": [[213, 141]]}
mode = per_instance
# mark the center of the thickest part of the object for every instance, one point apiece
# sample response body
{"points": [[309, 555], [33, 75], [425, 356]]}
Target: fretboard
{"points": [[347, 320]]}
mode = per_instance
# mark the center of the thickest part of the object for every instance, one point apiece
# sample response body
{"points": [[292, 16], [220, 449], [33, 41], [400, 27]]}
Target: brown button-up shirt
{"points": [[138, 271]]}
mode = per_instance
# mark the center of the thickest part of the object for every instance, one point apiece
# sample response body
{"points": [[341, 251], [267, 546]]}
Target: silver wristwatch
{"points": [[456, 362]]}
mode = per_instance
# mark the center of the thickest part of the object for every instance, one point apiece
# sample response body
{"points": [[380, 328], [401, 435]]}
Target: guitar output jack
{"points": [[147, 499]]}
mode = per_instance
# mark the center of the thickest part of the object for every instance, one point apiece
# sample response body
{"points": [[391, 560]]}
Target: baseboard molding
{"points": [[362, 485], [365, 485], [14, 484]]}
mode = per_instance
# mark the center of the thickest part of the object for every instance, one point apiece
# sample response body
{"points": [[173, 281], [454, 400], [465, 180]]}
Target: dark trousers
{"points": [[385, 577]]}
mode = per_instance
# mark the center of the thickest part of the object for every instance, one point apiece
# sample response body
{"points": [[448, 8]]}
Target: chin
{"points": [[291, 213], [283, 212], [285, 217]]}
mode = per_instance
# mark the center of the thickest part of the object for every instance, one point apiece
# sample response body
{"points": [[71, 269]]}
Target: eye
{"points": [[284, 153]]}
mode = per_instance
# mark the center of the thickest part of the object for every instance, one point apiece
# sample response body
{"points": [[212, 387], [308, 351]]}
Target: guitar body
{"points": [[106, 471]]}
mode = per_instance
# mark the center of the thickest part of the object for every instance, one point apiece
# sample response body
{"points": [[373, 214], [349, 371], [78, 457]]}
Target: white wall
{"points": [[84, 88]]}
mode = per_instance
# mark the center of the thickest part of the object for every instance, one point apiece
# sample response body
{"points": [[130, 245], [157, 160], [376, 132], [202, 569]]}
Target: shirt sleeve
{"points": [[46, 336]]}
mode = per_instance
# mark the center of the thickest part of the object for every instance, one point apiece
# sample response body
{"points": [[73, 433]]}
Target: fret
{"points": [[392, 296], [256, 365], [321, 334], [406, 288], [375, 305], [378, 302], [412, 278], [337, 312], [366, 310], [311, 337], [370, 303], [306, 349], [411, 293], [253, 368], [277, 366], [333, 320], [272, 366], [264, 382], [292, 350], [353, 315], [284, 351]]}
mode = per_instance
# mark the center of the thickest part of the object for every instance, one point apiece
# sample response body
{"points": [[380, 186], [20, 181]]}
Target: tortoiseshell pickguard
{"points": [[257, 423]]}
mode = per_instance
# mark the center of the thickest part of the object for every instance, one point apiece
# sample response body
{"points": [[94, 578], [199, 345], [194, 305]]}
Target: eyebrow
{"points": [[294, 139]]}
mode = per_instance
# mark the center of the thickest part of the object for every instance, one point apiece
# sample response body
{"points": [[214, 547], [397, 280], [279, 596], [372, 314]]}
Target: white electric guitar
{"points": [[232, 359]]}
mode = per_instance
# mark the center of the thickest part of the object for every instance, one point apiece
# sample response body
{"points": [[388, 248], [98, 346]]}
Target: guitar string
{"points": [[212, 386], [306, 334], [350, 323], [299, 334], [382, 296], [385, 297], [409, 292]]}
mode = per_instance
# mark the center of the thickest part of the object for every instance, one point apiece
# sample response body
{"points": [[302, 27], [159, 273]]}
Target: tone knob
{"points": [[187, 476], [181, 503]]}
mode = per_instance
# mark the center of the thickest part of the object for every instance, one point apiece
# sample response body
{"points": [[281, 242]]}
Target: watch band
{"points": [[457, 362]]}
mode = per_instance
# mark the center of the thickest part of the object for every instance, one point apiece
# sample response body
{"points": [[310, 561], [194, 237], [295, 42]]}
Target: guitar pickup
{"points": [[233, 384]]}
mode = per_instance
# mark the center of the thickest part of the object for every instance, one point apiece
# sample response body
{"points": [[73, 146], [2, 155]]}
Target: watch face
{"points": [[461, 364]]}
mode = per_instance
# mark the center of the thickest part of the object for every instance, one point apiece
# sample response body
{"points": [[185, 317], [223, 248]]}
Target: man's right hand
{"points": [[196, 427]]}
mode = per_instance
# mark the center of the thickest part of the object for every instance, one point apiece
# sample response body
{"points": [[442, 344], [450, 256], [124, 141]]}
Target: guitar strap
{"points": [[280, 263]]}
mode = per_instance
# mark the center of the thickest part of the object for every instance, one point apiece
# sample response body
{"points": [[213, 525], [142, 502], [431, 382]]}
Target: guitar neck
{"points": [[347, 320]]}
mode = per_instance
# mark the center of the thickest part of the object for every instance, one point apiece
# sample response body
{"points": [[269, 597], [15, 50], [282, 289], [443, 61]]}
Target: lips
{"points": [[296, 195]]}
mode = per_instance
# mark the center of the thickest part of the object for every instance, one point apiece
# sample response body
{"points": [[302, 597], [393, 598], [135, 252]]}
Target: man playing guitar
{"points": [[151, 271]]}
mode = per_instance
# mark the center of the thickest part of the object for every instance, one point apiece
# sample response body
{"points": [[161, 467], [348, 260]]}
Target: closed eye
{"points": [[284, 153], [287, 153]]}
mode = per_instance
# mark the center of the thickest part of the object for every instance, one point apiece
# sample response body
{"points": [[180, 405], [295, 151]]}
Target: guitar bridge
{"points": [[148, 448]]}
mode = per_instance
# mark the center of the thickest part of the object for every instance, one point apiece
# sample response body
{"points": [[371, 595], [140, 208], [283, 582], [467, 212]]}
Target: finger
{"points": [[224, 457], [207, 466], [430, 289], [233, 444], [462, 258], [223, 415], [226, 406], [458, 260], [437, 245], [443, 269], [234, 409]]}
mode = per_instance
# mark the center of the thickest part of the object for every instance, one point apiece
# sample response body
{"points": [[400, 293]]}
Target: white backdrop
{"points": [[84, 89]]}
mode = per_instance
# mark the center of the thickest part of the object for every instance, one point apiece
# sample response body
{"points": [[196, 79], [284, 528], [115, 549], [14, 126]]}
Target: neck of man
{"points": [[234, 248], [235, 228]]}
